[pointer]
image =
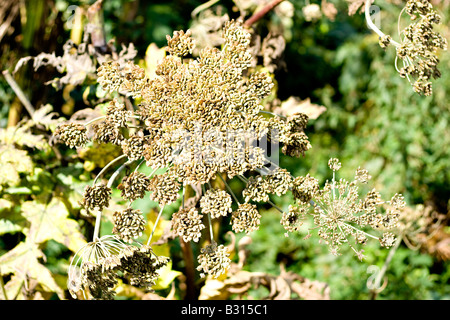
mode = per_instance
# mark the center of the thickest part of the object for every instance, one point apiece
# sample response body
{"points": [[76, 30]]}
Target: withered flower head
{"points": [[72, 134], [106, 132], [128, 224], [216, 202], [181, 44], [164, 188], [96, 197], [134, 146], [134, 186], [141, 265], [187, 223], [305, 188], [117, 114], [213, 260], [246, 218]]}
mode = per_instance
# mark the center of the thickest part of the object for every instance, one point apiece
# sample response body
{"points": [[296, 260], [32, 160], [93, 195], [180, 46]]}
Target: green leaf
{"points": [[51, 222]]}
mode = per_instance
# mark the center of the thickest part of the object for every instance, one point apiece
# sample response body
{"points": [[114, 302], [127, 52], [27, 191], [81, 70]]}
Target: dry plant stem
{"points": [[261, 13], [188, 258], [19, 93], [107, 166], [380, 276]]}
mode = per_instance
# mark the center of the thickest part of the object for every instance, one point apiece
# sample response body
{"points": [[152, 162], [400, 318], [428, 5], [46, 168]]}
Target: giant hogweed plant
{"points": [[198, 124]]}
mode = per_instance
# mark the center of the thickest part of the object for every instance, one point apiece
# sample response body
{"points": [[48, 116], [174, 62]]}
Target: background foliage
{"points": [[373, 120]]}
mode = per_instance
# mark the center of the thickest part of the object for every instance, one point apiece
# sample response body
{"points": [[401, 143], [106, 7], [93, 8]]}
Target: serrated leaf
{"points": [[23, 262], [51, 222]]}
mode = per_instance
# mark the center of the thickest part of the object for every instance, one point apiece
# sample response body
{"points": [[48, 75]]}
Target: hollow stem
{"points": [[98, 219]]}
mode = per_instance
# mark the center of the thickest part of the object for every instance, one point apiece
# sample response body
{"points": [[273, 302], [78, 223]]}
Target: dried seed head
{"points": [[187, 223], [362, 175], [96, 197], [305, 188], [128, 224], [387, 240], [72, 134], [106, 132], [181, 44], [293, 219], [99, 281], [117, 114], [296, 144], [134, 186], [141, 265], [134, 147], [164, 188], [246, 218], [257, 189], [279, 181], [216, 202], [213, 260], [334, 164]]}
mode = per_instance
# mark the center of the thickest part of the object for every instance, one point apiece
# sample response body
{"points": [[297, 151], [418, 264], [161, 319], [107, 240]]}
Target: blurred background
{"points": [[322, 57]]}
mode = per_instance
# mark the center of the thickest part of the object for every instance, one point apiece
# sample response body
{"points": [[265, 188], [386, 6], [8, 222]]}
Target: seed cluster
{"points": [[246, 218], [216, 202], [134, 186], [200, 119], [72, 134], [340, 214], [419, 47], [128, 224], [104, 259], [213, 260], [96, 197], [187, 223]]}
